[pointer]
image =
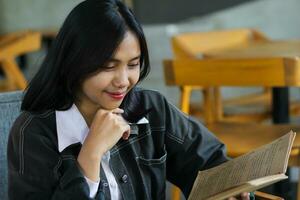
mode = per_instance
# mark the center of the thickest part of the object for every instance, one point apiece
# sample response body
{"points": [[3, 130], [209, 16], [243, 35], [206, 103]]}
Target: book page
{"points": [[270, 159], [249, 186]]}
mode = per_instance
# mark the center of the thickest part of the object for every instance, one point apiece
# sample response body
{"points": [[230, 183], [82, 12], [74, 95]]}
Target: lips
{"points": [[116, 95]]}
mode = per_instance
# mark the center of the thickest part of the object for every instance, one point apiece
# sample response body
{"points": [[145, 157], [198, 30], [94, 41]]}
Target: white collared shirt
{"points": [[72, 128]]}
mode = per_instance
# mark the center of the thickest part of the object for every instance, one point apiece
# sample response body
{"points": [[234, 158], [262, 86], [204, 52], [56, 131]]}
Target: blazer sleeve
{"points": [[36, 170]]}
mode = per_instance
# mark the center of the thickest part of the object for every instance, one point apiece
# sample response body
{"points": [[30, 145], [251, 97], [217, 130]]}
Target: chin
{"points": [[112, 106]]}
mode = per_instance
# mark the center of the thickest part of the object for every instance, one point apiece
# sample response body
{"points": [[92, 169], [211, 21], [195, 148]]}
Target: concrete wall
{"points": [[39, 14], [18, 14], [167, 11]]}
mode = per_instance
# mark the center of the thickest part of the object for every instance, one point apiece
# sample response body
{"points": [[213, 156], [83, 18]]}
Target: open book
{"points": [[247, 173]]}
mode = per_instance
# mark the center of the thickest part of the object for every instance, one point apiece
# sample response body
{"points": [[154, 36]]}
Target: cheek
{"points": [[135, 76], [91, 85], [98, 81]]}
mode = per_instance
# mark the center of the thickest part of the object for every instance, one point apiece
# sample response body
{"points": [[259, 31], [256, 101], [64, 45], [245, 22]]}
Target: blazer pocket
{"points": [[153, 161], [153, 172]]}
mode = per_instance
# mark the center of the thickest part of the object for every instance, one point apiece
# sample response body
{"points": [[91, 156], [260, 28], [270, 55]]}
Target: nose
{"points": [[121, 78]]}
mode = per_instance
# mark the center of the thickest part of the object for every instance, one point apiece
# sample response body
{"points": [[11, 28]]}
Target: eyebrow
{"points": [[117, 60]]}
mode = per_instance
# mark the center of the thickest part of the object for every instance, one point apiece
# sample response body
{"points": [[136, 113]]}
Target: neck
{"points": [[87, 111]]}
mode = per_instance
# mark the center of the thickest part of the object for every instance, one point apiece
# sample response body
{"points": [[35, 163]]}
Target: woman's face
{"points": [[108, 88]]}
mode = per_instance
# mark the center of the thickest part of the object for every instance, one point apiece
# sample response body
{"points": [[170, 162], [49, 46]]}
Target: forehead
{"points": [[128, 48]]}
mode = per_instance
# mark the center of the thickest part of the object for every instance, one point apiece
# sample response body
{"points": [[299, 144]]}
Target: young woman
{"points": [[86, 130]]}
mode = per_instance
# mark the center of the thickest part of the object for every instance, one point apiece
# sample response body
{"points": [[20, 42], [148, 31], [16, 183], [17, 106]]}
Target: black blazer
{"points": [[171, 147]]}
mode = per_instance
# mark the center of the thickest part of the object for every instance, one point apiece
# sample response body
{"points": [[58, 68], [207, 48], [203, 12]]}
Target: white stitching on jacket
{"points": [[21, 140], [21, 144]]}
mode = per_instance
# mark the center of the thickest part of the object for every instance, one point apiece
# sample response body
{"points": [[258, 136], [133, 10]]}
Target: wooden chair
{"points": [[240, 138], [11, 46], [198, 45], [264, 196]]}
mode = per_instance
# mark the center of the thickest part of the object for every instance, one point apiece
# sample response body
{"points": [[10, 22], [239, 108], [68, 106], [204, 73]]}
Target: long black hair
{"points": [[86, 41]]}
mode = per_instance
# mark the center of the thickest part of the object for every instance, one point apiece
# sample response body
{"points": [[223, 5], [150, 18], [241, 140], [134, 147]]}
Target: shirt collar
{"points": [[143, 121], [71, 127]]}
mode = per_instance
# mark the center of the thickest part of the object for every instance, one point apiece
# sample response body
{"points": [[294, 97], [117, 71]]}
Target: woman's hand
{"points": [[243, 196], [107, 128], [105, 131]]}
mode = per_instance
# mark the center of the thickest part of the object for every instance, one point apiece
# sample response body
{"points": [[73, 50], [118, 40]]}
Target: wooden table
{"points": [[266, 50], [261, 49]]}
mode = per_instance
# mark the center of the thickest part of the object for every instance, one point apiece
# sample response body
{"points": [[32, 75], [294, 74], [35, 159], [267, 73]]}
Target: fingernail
{"points": [[125, 136]]}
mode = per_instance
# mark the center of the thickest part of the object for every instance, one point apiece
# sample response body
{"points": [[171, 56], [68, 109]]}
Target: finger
{"points": [[121, 119], [245, 196], [117, 111], [126, 135], [126, 132], [232, 198]]}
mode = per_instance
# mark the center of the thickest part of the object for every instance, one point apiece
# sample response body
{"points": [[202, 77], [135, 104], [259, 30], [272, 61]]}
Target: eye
{"points": [[108, 68], [134, 65]]}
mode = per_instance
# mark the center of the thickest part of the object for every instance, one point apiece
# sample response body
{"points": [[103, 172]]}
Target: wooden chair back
{"points": [[217, 72], [195, 46], [13, 45]]}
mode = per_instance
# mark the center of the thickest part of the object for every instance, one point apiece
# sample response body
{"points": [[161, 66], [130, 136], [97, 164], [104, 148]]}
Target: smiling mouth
{"points": [[116, 95]]}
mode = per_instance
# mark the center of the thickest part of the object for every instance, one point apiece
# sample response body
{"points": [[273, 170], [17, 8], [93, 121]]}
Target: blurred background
{"points": [[162, 19]]}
